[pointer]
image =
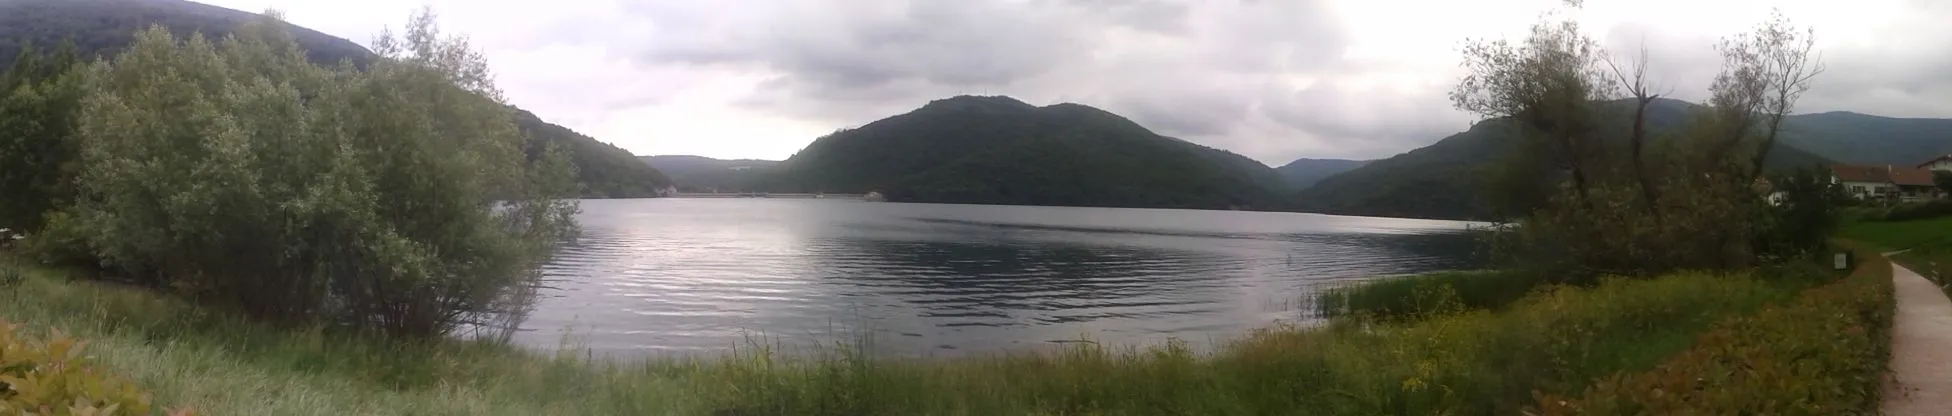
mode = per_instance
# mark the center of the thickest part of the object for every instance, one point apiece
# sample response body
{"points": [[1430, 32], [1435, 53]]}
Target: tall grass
{"points": [[1415, 296], [1466, 362]]}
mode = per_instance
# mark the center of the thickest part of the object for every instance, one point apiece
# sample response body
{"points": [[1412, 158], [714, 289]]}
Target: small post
{"points": [[1842, 260]]}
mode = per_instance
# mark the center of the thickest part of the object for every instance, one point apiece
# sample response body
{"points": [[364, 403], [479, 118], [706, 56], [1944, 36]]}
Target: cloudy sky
{"points": [[1270, 79]]}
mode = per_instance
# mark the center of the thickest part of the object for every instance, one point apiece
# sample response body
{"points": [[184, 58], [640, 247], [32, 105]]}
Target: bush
{"points": [[400, 198], [54, 378], [1825, 353], [1411, 297], [60, 242]]}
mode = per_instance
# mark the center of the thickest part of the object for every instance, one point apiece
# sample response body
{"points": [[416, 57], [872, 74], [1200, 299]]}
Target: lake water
{"points": [[683, 276]]}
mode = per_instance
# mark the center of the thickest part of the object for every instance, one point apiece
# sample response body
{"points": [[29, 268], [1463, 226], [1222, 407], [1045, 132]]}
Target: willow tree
{"points": [[398, 197]]}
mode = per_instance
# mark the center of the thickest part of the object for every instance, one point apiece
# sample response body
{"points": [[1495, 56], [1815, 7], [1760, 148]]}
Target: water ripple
{"points": [[683, 276]]}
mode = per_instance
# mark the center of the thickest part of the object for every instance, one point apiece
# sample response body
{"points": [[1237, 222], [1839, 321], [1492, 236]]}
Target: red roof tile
{"points": [[1911, 176], [1907, 176]]}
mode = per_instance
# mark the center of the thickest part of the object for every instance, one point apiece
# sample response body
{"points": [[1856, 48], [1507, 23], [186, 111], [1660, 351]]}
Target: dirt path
{"points": [[1921, 348]]}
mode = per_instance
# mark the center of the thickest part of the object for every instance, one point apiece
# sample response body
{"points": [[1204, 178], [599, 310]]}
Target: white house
{"points": [[1941, 163], [1886, 181]]}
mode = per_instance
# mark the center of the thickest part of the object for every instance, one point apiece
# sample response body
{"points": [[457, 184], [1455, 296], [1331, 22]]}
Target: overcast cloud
{"points": [[1271, 79]]}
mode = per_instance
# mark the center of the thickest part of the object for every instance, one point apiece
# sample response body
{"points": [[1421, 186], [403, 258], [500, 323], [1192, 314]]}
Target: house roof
{"points": [[1855, 173], [1935, 160], [1903, 176], [1911, 176]]}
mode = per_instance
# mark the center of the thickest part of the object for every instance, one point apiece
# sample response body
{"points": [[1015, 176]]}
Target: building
{"points": [[1941, 163], [1888, 182]]}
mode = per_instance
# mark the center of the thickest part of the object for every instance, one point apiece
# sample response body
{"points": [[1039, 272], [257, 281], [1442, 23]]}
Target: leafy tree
{"points": [[399, 198], [1943, 179], [1808, 211], [1693, 201], [38, 100], [107, 27]]}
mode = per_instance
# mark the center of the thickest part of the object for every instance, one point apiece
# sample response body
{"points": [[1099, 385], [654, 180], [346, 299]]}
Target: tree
{"points": [[1943, 179], [1617, 201], [400, 198], [39, 97], [1549, 85]]}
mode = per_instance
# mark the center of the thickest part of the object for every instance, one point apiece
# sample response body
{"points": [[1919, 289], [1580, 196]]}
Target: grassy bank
{"points": [[1896, 235], [1823, 353], [1465, 362], [1927, 245], [1417, 296]]}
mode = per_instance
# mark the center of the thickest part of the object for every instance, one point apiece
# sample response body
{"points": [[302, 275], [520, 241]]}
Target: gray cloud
{"points": [[1182, 67], [1271, 79]]}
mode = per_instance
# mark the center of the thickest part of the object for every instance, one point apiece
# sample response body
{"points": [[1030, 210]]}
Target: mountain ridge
{"points": [[1001, 150]]}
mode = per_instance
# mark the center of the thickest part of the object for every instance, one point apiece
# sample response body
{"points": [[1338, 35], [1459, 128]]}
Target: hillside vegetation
{"points": [[1446, 179], [103, 27], [998, 150], [1871, 140], [1304, 172], [704, 174]]}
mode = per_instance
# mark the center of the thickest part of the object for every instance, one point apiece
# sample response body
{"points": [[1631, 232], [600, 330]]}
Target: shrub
{"points": [[400, 198], [52, 377], [1825, 353], [60, 242]]}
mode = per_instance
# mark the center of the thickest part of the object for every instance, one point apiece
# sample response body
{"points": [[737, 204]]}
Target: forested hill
{"points": [[99, 27], [704, 174], [1304, 172], [998, 150], [1443, 180], [1867, 139]]}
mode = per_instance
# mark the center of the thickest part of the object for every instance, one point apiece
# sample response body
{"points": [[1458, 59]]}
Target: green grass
{"points": [[1927, 244], [1933, 261], [1897, 235], [1468, 362], [1824, 353], [1415, 296]]}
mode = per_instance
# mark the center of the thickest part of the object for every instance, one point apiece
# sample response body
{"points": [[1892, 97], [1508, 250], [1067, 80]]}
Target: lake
{"points": [[677, 276]]}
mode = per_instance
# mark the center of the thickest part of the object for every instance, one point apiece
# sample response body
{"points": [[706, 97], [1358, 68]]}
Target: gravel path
{"points": [[1921, 348]]}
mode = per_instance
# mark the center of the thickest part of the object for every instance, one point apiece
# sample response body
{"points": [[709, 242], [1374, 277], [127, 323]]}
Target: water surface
{"points": [[681, 276]]}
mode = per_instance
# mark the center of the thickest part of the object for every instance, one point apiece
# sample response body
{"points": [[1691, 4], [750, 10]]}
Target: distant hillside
{"points": [[704, 174], [1304, 172], [1442, 180], [997, 150], [1872, 140], [103, 27]]}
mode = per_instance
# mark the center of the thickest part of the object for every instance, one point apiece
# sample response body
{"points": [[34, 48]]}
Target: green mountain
{"points": [[103, 27], [1871, 140], [1304, 172], [997, 150], [1442, 180], [704, 174]]}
